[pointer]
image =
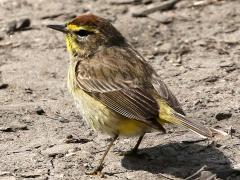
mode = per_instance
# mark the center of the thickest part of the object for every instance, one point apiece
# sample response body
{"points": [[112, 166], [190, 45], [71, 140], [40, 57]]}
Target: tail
{"points": [[178, 119]]}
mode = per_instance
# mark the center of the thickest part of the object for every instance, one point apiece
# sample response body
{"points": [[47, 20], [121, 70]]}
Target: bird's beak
{"points": [[61, 28]]}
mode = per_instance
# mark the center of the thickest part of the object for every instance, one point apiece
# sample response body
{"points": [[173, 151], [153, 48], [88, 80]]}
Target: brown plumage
{"points": [[116, 90], [124, 85]]}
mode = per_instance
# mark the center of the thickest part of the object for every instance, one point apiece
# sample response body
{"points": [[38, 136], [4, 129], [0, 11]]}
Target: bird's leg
{"points": [[133, 152], [99, 168], [135, 149]]}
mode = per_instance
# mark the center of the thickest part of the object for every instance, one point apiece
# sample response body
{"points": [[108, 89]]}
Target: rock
{"points": [[229, 67], [211, 79], [39, 111], [29, 175], [22, 24], [193, 140], [28, 90], [34, 174], [71, 139], [69, 136], [18, 25], [63, 120], [13, 128], [223, 115], [3, 86]]}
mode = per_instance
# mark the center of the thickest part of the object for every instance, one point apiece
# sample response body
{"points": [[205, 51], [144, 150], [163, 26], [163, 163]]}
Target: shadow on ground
{"points": [[180, 160]]}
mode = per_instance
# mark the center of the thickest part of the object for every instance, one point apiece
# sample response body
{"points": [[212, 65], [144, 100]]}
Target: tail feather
{"points": [[196, 127], [191, 125]]}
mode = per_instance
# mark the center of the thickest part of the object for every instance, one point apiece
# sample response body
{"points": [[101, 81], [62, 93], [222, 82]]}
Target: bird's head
{"points": [[87, 33]]}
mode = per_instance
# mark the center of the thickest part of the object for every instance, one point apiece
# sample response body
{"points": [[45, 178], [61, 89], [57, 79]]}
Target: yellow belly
{"points": [[103, 119]]}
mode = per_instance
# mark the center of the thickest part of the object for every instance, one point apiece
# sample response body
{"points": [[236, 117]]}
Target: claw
{"points": [[96, 172]]}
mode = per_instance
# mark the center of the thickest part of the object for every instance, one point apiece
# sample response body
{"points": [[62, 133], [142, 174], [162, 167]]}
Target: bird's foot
{"points": [[96, 171], [127, 153]]}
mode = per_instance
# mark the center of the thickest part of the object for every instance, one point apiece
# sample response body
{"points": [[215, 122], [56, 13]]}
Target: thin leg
{"points": [[135, 149], [99, 168], [132, 152]]}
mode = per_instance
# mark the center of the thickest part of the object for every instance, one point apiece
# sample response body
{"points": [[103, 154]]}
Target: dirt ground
{"points": [[195, 48]]}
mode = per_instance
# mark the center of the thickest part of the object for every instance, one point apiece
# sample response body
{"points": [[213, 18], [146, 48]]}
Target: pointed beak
{"points": [[61, 28]]}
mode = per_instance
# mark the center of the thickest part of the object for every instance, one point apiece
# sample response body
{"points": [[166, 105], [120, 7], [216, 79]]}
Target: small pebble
{"points": [[18, 25], [3, 86], [39, 111], [69, 136], [211, 79], [71, 140], [63, 120], [13, 128], [229, 67], [223, 115], [23, 24], [28, 90]]}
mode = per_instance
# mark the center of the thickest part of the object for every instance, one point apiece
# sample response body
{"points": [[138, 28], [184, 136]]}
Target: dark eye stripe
{"points": [[83, 33]]}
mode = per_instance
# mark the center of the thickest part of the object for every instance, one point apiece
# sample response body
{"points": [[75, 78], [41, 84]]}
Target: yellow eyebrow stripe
{"points": [[73, 27]]}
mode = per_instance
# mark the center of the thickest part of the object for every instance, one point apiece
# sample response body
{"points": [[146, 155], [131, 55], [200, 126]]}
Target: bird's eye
{"points": [[83, 33]]}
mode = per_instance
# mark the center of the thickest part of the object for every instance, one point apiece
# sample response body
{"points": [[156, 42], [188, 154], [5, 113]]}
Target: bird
{"points": [[116, 90]]}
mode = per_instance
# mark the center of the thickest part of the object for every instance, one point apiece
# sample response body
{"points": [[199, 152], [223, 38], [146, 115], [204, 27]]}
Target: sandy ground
{"points": [[195, 48]]}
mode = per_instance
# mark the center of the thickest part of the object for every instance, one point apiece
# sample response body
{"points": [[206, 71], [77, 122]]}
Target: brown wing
{"points": [[132, 103], [163, 90], [166, 94], [121, 85]]}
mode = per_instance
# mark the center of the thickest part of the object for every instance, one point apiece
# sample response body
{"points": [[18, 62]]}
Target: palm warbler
{"points": [[116, 90]]}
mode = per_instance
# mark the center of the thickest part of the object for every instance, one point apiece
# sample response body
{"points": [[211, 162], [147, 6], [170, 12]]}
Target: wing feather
{"points": [[119, 85], [167, 95], [123, 86]]}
